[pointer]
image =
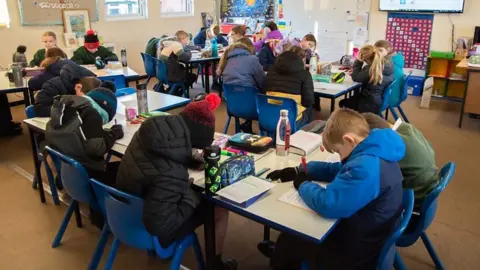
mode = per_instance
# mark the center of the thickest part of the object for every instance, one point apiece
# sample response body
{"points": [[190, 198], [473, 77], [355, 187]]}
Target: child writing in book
{"points": [[155, 167], [87, 54], [418, 166], [364, 192], [49, 40], [52, 65], [398, 62], [375, 76], [289, 78]]}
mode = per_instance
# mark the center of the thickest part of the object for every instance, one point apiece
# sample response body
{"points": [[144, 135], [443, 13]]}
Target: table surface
{"points": [[335, 89], [126, 71], [7, 87]]}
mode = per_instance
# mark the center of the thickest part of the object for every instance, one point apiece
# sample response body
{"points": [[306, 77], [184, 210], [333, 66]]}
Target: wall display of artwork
{"points": [[49, 12], [76, 21], [261, 9]]}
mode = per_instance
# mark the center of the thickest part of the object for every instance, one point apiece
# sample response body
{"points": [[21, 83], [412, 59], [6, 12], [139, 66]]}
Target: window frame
{"points": [[130, 17], [189, 13], [8, 20]]}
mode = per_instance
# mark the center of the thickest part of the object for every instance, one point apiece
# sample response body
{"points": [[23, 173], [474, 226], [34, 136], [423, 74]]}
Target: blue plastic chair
{"points": [[420, 222], [150, 66], [162, 79], [30, 112], [125, 91], [118, 80], [241, 103], [386, 101], [268, 108], [124, 220], [402, 98], [388, 252]]}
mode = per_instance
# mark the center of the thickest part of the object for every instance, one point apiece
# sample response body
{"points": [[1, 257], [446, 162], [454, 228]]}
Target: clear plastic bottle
{"points": [[283, 134], [313, 64], [123, 56]]}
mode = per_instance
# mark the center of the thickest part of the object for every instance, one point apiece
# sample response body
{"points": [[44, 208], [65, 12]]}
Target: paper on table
{"points": [[128, 134], [245, 189], [293, 198], [43, 120]]}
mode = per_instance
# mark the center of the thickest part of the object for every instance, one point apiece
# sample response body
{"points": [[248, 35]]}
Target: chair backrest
{"points": [[387, 253], [125, 91], [118, 80], [75, 178], [386, 97], [268, 108], [30, 111], [124, 216], [150, 65], [161, 71], [404, 89], [241, 101]]}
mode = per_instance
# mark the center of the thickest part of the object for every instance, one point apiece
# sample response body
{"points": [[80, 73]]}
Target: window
{"points": [[177, 8], [125, 9], [4, 17]]}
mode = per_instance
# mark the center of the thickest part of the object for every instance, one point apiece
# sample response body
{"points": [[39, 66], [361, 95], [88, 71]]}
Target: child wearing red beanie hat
{"points": [[155, 167], [86, 55]]}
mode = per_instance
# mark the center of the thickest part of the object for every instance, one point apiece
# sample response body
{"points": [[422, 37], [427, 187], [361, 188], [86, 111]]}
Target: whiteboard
{"points": [[333, 22]]}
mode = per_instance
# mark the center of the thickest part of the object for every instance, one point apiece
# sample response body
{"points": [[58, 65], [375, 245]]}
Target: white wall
{"points": [[442, 28], [132, 35]]}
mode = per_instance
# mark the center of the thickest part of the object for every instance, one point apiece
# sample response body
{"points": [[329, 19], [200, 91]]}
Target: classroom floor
{"points": [[28, 227]]}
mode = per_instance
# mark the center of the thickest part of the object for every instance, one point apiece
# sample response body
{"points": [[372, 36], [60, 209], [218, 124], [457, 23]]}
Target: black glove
{"points": [[285, 175], [117, 131], [299, 179]]}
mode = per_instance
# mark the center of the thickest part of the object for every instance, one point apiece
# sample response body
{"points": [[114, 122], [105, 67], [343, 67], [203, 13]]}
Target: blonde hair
{"points": [[181, 34], [215, 29], [376, 61], [51, 56], [341, 122], [243, 43], [50, 34]]}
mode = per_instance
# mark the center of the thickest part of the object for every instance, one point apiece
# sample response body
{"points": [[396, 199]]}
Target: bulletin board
{"points": [[410, 34], [49, 12], [256, 9], [333, 23]]}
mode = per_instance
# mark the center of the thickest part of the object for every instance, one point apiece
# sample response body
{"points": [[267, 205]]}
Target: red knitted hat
{"points": [[200, 120], [91, 40]]}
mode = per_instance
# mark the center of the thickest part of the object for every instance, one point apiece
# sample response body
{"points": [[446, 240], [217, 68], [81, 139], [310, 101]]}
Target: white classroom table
{"points": [[125, 71], [334, 90]]}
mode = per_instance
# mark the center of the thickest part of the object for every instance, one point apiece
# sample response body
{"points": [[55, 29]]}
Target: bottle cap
{"points": [[284, 113]]}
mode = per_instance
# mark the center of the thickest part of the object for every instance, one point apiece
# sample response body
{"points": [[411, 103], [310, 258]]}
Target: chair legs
{"points": [[198, 253], [51, 182], [97, 254], [431, 251], [227, 124], [35, 182], [403, 114], [237, 125], [386, 114], [78, 216], [398, 262], [394, 113], [112, 254], [63, 226]]}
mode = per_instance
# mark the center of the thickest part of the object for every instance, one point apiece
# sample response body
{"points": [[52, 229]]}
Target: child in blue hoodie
{"points": [[364, 193], [398, 61]]}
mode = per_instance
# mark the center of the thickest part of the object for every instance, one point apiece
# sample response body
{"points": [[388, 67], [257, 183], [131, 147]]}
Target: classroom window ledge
{"points": [[124, 18], [176, 15], [4, 25]]}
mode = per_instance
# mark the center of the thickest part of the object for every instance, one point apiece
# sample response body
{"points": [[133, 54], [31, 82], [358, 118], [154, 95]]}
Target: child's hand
{"points": [[299, 179], [117, 131], [285, 175]]}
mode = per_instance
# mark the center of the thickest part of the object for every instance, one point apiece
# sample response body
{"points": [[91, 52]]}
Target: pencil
{"points": [[304, 164]]}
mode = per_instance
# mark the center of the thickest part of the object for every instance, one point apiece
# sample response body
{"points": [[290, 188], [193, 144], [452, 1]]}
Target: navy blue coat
{"points": [[365, 194], [52, 71], [201, 37], [64, 84], [266, 57]]}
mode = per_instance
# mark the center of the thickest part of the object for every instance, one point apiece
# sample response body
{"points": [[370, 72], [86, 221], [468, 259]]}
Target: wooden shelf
{"points": [[437, 76], [457, 79]]}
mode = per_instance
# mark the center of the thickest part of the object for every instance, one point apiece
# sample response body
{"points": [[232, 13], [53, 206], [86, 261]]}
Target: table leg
{"points": [[209, 231], [462, 111], [207, 77], [36, 164], [332, 105], [317, 103], [26, 97], [31, 93]]}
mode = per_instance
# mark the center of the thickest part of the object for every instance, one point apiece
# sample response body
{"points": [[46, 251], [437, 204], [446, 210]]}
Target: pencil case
{"points": [[250, 142], [236, 168]]}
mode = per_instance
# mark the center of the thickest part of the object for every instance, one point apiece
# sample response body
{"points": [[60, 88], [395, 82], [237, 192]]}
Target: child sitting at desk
{"points": [[270, 32], [155, 167], [364, 193], [289, 78], [398, 62], [49, 40], [72, 76], [375, 77], [208, 34], [86, 54], [236, 34], [52, 65], [418, 166]]}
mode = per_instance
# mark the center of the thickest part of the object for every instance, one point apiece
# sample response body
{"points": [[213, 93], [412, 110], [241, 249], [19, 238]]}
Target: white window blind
{"points": [[125, 9], [4, 16], [177, 7]]}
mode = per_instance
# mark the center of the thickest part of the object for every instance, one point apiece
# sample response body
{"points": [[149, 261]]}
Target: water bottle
{"points": [[142, 98], [283, 134], [214, 47], [208, 44], [123, 56], [17, 75], [211, 156], [313, 64]]}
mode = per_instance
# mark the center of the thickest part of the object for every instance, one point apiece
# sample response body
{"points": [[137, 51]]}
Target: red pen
{"points": [[304, 164]]}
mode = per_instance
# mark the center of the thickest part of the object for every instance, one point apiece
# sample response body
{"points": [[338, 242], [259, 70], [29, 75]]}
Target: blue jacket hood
{"points": [[383, 143]]}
